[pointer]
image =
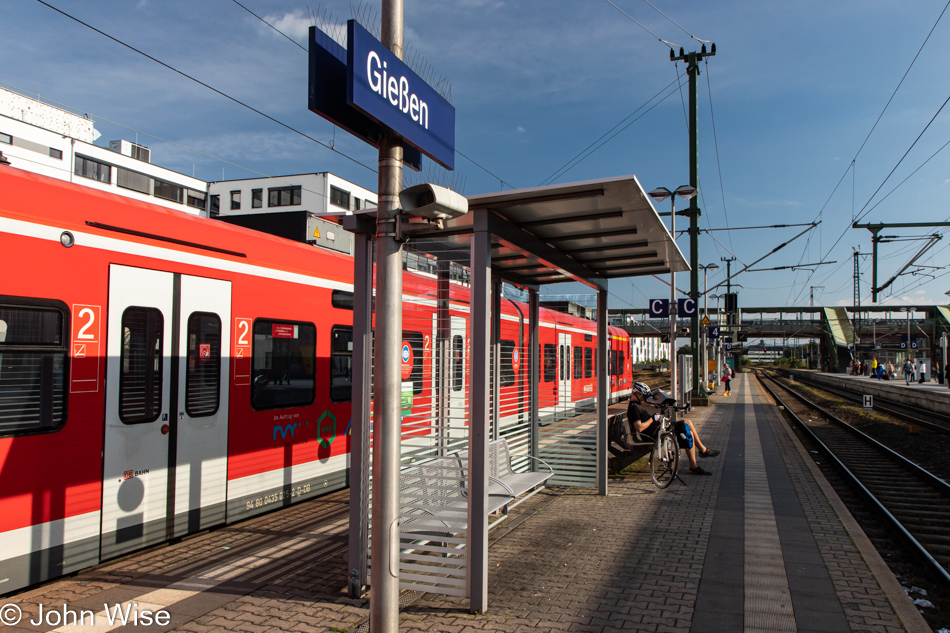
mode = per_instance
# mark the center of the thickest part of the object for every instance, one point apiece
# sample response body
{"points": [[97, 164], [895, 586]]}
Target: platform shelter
{"points": [[484, 376]]}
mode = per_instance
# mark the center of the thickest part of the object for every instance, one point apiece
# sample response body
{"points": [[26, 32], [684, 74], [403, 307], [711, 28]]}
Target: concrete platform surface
{"points": [[762, 545]]}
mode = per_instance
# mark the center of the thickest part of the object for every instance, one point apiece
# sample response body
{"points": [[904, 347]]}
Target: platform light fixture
{"points": [[660, 194]]}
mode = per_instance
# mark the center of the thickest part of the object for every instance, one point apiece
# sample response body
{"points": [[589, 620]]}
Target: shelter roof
{"points": [[587, 231]]}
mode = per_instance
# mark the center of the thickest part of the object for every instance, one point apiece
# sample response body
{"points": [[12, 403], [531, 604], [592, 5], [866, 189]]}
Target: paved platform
{"points": [[929, 395], [762, 545]]}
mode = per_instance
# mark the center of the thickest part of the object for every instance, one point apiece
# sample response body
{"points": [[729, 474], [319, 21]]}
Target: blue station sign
{"points": [[382, 87]]}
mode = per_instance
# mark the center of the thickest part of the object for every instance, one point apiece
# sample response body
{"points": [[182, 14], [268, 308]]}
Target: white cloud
{"points": [[295, 25], [520, 130]]}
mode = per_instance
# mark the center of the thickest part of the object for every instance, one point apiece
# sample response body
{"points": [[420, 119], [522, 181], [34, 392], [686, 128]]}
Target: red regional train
{"points": [[162, 373]]}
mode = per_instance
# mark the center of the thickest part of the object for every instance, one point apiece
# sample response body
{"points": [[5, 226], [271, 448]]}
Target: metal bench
{"points": [[435, 498], [625, 447]]}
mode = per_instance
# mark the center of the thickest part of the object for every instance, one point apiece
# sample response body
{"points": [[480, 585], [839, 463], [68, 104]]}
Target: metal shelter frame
{"points": [[586, 232]]}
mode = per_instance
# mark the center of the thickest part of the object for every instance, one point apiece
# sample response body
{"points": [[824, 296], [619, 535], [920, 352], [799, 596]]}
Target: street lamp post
{"points": [[716, 344], [705, 354], [659, 194]]}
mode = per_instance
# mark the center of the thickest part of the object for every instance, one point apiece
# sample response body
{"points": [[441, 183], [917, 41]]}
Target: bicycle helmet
{"points": [[642, 388]]}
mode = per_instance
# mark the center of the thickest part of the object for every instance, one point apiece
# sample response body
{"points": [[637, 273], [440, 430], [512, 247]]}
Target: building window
{"points": [[33, 363], [6, 138], [339, 198], [195, 199], [203, 376], [56, 153], [168, 191], [128, 179], [140, 365], [236, 200], [89, 168], [283, 197], [341, 363], [357, 204], [215, 206], [284, 364], [257, 198]]}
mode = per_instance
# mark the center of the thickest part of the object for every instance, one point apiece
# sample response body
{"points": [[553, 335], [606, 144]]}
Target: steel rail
{"points": [[903, 412], [937, 482]]}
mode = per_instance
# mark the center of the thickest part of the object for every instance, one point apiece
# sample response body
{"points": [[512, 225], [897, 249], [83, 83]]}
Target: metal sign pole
{"points": [[384, 584]]}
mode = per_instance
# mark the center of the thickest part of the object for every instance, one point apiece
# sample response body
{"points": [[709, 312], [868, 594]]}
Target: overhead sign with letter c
{"points": [[659, 308]]}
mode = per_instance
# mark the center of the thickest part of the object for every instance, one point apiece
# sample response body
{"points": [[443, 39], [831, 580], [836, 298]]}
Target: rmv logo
{"points": [[285, 429]]}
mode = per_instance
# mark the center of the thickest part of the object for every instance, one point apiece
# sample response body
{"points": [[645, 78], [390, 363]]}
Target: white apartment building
{"points": [[47, 140], [321, 193]]}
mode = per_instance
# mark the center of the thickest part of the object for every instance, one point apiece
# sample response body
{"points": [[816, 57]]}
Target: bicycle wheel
{"points": [[664, 459]]}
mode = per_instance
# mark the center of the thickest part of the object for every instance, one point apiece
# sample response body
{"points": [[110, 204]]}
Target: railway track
{"points": [[915, 502], [933, 420]]}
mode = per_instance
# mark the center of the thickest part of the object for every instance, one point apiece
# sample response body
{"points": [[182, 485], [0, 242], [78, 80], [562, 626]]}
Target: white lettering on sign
{"points": [[395, 91]]}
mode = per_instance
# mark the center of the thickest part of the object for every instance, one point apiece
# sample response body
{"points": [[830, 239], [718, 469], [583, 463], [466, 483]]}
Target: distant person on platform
{"points": [[727, 380], [646, 423], [891, 372], [946, 374], [908, 371], [874, 367]]}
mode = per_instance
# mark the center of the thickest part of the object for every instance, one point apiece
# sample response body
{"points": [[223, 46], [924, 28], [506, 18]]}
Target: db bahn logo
{"points": [[407, 360]]}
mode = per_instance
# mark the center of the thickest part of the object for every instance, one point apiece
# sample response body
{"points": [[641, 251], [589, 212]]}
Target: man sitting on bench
{"points": [[646, 424]]}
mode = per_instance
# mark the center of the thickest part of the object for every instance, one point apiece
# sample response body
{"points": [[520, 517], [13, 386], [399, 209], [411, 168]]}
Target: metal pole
{"points": [[384, 575], [673, 306], [602, 394], [693, 69], [359, 444]]}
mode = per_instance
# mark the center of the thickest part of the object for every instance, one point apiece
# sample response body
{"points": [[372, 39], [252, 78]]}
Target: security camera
{"points": [[433, 202]]}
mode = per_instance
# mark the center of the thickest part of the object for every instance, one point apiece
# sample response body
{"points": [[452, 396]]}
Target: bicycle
{"points": [[664, 456]]}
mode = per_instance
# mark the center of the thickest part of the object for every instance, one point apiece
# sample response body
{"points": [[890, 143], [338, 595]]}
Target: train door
{"points": [[162, 409], [458, 393], [564, 378]]}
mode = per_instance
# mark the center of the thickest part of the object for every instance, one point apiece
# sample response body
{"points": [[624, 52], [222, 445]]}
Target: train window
{"points": [[342, 299], [578, 362], [458, 362], [203, 375], [33, 355], [418, 352], [550, 362], [620, 365], [140, 365], [595, 362], [283, 364], [613, 362], [341, 363], [588, 362], [507, 367], [257, 198]]}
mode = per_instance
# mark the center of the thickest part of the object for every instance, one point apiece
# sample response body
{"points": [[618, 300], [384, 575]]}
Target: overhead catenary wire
{"points": [[95, 116], [468, 158], [852, 164], [587, 151], [208, 86]]}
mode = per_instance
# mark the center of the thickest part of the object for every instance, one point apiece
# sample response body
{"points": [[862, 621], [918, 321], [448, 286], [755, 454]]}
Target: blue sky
{"points": [[795, 90]]}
